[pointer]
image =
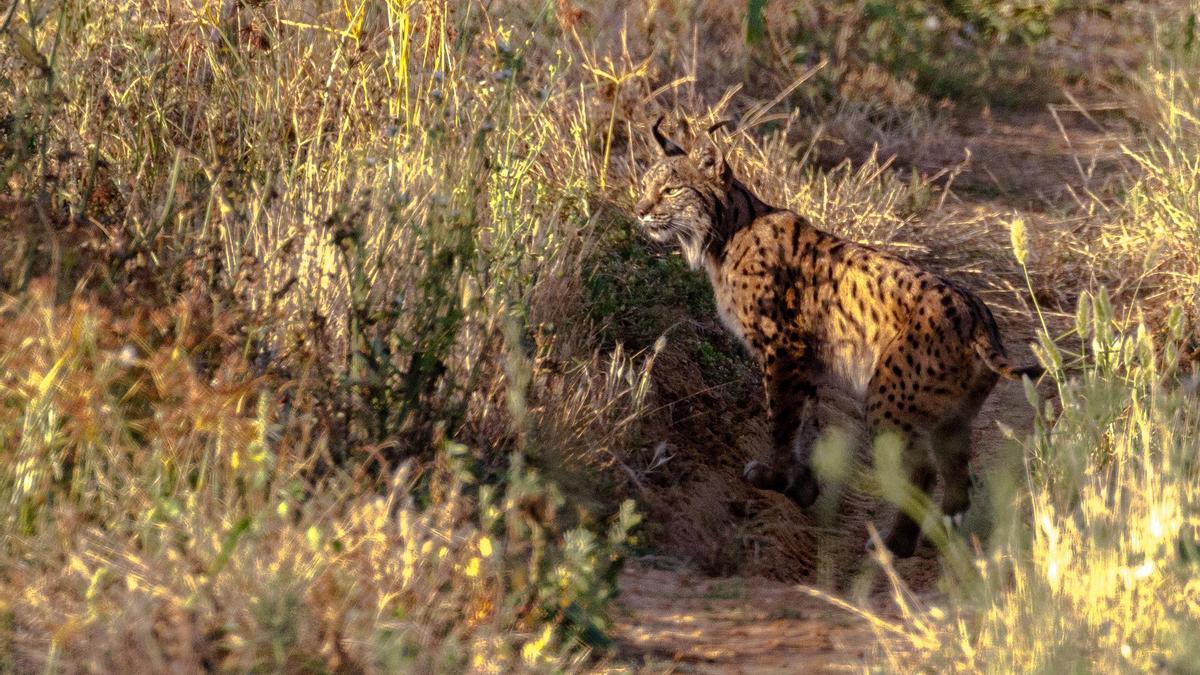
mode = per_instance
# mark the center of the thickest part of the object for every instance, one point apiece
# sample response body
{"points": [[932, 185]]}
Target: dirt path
{"points": [[712, 607], [683, 622]]}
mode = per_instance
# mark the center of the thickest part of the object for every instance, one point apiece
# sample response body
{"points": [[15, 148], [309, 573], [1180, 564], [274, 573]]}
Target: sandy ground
{"points": [[683, 622]]}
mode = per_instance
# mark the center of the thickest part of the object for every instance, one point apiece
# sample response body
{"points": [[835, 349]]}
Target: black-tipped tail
{"points": [[998, 363]]}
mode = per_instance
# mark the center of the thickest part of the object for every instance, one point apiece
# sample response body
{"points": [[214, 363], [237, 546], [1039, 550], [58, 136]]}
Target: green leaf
{"points": [[230, 542], [1083, 316], [1031, 393], [756, 25]]}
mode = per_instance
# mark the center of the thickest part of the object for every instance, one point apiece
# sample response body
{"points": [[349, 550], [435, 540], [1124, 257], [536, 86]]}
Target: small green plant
{"points": [[629, 284]]}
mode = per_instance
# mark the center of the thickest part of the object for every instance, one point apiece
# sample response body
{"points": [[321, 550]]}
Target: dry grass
{"points": [[301, 304], [1153, 230], [329, 238], [1094, 568], [157, 521]]}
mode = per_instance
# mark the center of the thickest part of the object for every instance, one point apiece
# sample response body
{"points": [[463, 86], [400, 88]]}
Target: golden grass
{"points": [[300, 373], [158, 521], [321, 231], [1092, 564]]}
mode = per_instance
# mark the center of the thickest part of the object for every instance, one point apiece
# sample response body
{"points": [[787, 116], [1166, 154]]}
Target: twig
{"points": [[8, 17]]}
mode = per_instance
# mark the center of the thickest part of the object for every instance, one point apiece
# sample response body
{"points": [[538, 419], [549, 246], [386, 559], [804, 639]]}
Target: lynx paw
{"points": [[762, 476], [954, 522]]}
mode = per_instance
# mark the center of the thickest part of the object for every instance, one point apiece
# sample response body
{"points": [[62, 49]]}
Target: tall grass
{"points": [[299, 408], [1092, 565], [1158, 219], [313, 317], [158, 522]]}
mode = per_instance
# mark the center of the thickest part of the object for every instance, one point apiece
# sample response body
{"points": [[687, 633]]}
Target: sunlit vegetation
{"points": [[1095, 569], [327, 342], [279, 387]]}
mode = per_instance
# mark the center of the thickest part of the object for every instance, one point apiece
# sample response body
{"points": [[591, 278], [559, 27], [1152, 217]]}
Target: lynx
{"points": [[918, 351]]}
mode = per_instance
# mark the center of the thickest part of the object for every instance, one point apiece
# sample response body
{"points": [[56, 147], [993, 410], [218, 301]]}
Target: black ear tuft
{"points": [[670, 148]]}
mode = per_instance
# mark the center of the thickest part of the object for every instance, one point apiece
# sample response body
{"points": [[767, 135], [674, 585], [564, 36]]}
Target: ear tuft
{"points": [[670, 148]]}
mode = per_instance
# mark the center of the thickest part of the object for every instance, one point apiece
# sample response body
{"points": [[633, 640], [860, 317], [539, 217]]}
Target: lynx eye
{"points": [[674, 191]]}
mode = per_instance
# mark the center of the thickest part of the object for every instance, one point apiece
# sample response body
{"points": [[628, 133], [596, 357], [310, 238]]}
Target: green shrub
{"points": [[953, 48]]}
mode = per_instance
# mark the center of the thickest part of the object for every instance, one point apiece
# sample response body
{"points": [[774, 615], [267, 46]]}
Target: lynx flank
{"points": [[918, 351]]}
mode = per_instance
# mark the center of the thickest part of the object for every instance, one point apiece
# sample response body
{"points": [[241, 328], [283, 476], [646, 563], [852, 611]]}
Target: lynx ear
{"points": [[670, 148], [710, 160]]}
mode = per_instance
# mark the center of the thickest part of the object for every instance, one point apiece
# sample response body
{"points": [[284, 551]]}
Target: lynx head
{"points": [[682, 193]]}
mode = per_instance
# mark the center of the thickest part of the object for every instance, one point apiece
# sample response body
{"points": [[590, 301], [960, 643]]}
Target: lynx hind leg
{"points": [[951, 445], [952, 452], [894, 406]]}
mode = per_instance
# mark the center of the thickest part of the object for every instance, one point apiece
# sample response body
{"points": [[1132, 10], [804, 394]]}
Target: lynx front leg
{"points": [[792, 409]]}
